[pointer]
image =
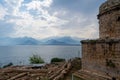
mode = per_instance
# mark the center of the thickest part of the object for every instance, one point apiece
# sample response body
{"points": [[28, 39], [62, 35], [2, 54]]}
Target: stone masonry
{"points": [[101, 57], [109, 19]]}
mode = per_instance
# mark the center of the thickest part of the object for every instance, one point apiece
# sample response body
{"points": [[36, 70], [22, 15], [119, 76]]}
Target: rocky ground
{"points": [[54, 71]]}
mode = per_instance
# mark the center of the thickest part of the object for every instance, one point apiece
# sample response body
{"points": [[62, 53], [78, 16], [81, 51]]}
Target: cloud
{"points": [[37, 26], [3, 13], [81, 16], [80, 6], [6, 29], [13, 6], [37, 5], [45, 18], [78, 25], [82, 26]]}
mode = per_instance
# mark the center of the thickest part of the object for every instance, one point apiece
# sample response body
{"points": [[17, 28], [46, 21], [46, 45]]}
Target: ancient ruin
{"points": [[52, 71], [101, 57], [109, 19]]}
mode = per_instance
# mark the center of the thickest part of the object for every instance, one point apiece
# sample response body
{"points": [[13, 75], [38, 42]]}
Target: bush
{"points": [[57, 60], [36, 59], [8, 65]]}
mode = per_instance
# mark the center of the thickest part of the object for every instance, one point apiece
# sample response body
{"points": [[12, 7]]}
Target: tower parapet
{"points": [[109, 19]]}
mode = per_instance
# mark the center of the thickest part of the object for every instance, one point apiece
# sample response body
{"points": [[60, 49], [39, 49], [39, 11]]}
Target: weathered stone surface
{"points": [[101, 57], [109, 19], [108, 6]]}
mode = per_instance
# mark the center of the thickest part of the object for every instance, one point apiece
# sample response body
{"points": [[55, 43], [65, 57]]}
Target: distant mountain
{"points": [[61, 41], [68, 40], [46, 41], [27, 41], [19, 41], [54, 42]]}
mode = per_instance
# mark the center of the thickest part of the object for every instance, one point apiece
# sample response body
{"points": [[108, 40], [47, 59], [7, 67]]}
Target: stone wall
{"points": [[108, 6], [102, 57], [109, 19]]}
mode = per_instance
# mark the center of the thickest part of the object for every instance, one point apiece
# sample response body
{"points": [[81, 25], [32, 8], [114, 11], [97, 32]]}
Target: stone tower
{"points": [[101, 57], [109, 19]]}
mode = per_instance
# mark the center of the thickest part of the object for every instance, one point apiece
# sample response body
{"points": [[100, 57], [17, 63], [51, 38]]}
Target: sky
{"points": [[47, 18]]}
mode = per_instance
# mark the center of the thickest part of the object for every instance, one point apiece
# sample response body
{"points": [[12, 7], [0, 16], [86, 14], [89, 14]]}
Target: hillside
{"points": [[46, 41]]}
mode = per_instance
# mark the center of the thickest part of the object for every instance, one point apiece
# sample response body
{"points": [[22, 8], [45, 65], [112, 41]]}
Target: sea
{"points": [[20, 54]]}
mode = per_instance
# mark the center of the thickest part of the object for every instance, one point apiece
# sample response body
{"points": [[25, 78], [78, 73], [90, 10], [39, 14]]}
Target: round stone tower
{"points": [[109, 19], [101, 57]]}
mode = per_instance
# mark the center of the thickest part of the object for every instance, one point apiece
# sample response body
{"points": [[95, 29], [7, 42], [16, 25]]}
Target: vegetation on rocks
{"points": [[57, 60], [36, 59], [8, 65]]}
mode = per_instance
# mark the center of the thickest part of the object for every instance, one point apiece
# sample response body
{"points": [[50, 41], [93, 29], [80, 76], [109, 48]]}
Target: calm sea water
{"points": [[19, 55]]}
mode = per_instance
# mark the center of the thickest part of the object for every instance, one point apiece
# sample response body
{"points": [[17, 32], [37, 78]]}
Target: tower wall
{"points": [[102, 57], [110, 25], [109, 19]]}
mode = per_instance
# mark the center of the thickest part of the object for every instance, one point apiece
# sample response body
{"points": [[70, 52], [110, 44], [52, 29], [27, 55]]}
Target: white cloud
{"points": [[3, 13], [46, 24], [47, 3], [79, 25], [35, 28], [28, 24], [13, 6], [37, 5]]}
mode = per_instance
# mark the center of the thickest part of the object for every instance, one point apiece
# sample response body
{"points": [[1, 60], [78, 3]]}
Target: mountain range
{"points": [[46, 41]]}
